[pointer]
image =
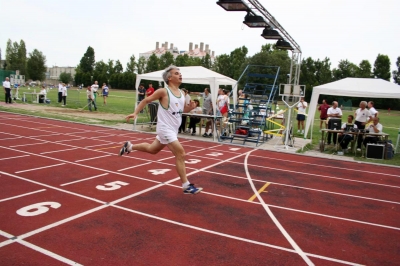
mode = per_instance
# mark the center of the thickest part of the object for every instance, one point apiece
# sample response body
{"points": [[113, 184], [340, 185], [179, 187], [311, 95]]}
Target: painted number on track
{"points": [[215, 154], [112, 185], [159, 171], [192, 161], [38, 208]]}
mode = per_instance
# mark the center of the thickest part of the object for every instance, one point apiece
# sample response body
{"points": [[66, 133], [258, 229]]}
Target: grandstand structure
{"points": [[247, 118]]}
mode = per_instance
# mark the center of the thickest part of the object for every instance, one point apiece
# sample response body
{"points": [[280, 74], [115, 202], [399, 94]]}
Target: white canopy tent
{"points": [[195, 75], [356, 87]]}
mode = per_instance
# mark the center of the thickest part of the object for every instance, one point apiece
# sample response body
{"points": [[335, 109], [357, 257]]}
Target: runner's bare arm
{"points": [[157, 95]]}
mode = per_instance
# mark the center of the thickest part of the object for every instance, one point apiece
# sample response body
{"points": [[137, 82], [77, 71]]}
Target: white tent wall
{"points": [[194, 75], [353, 87]]}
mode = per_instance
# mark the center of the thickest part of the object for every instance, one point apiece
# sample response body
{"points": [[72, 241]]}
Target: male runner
{"points": [[169, 117]]}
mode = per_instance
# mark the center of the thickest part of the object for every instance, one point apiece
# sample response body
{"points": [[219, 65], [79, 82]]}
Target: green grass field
{"points": [[123, 102]]}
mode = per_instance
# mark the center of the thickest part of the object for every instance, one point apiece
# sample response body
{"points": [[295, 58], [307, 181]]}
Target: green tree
{"points": [[131, 65], [182, 60], [12, 55], [382, 67], [141, 66], [22, 60], [118, 67], [364, 69], [88, 60], [166, 60], [345, 69], [152, 64], [237, 60], [110, 68], [396, 73], [36, 65], [206, 61], [193, 61], [65, 77], [222, 64]]}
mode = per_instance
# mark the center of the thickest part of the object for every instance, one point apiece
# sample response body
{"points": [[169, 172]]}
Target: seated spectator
{"points": [[42, 94], [344, 139], [194, 120], [375, 127]]}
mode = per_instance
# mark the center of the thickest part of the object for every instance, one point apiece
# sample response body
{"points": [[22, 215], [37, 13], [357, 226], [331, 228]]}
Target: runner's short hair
{"points": [[166, 74]]}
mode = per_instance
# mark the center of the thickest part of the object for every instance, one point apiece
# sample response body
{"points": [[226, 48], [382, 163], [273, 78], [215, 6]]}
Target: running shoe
{"points": [[191, 189], [125, 148]]}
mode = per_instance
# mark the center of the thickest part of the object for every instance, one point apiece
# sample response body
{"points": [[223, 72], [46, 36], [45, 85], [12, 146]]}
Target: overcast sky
{"points": [[338, 29]]}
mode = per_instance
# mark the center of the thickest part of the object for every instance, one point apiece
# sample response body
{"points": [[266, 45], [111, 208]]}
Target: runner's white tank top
{"points": [[172, 116]]}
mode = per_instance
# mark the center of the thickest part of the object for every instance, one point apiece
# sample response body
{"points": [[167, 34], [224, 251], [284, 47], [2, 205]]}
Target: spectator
{"points": [[223, 102], [95, 87], [42, 94], [90, 99], [333, 112], [7, 89], [344, 139], [141, 92], [375, 127], [104, 92], [208, 110], [150, 90], [323, 114], [187, 103], [372, 110], [301, 115], [194, 120], [64, 94], [60, 92], [362, 117]]}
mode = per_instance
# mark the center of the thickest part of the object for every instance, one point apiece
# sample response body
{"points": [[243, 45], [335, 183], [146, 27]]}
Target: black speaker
{"points": [[375, 151], [335, 123]]}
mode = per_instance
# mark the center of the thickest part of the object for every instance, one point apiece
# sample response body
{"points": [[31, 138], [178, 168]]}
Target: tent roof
{"points": [[192, 75], [360, 87]]}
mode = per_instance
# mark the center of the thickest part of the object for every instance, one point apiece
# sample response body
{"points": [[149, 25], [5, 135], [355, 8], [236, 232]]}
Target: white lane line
{"points": [[12, 138], [134, 166], [312, 189], [81, 180], [87, 159], [5, 243], [47, 252], [324, 176], [5, 234], [46, 152], [14, 157], [23, 195], [38, 168], [55, 188], [29, 144], [230, 236], [352, 170], [272, 216]]}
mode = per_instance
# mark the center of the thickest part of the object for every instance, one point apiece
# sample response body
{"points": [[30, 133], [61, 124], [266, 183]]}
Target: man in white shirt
{"points": [[301, 115], [372, 110], [344, 138], [7, 90], [60, 92], [362, 117], [95, 87], [375, 127], [333, 112]]}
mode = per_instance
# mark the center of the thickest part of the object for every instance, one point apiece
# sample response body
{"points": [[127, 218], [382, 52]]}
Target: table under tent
{"points": [[247, 117]]}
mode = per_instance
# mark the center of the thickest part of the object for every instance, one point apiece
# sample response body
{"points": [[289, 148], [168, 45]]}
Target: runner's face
{"points": [[176, 77]]}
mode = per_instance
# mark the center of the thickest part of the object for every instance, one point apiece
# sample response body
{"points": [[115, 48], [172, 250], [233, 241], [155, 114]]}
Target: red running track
{"points": [[66, 197]]}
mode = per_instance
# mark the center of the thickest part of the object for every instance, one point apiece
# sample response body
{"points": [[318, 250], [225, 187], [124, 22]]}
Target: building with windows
{"points": [[196, 51]]}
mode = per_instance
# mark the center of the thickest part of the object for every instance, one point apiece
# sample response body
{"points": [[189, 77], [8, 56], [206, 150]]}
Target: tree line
{"points": [[313, 72]]}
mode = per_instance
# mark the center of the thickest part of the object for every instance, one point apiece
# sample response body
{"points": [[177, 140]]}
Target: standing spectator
{"points": [[301, 115], [95, 87], [60, 92], [150, 90], [222, 102], [141, 92], [334, 112], [90, 99], [362, 117], [208, 110], [104, 93], [64, 94], [194, 120], [372, 110], [7, 89], [323, 114], [187, 102]]}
